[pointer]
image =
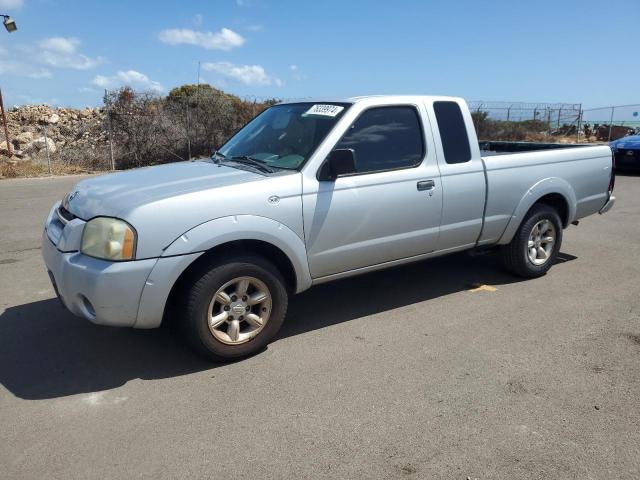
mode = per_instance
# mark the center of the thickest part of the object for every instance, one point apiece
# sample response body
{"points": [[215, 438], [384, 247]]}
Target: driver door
{"points": [[389, 209]]}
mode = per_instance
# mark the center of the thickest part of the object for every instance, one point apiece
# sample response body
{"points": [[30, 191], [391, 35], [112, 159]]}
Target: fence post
{"points": [[46, 146], [509, 112], [113, 163], [611, 123], [579, 121], [558, 125], [186, 97]]}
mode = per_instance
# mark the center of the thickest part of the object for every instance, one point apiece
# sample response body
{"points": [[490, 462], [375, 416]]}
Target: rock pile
{"points": [[34, 129]]}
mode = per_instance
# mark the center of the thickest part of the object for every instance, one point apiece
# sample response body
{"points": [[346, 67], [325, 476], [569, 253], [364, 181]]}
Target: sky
{"points": [[66, 53]]}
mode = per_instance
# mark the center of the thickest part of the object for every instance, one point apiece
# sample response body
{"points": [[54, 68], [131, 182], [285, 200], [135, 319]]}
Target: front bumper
{"points": [[103, 292], [124, 294]]}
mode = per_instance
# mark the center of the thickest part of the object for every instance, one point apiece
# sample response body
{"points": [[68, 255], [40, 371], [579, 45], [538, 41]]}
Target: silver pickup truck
{"points": [[305, 193]]}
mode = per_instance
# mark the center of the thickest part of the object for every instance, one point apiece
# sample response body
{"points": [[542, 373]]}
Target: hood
{"points": [[164, 202], [117, 193], [631, 142]]}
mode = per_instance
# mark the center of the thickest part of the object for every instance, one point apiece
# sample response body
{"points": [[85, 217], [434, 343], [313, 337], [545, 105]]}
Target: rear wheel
{"points": [[536, 244], [235, 307]]}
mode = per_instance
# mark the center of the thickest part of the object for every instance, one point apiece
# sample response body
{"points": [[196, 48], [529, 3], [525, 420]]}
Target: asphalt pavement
{"points": [[408, 373]]}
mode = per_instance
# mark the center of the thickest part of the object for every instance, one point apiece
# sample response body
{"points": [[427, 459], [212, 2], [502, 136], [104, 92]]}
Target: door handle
{"points": [[426, 185]]}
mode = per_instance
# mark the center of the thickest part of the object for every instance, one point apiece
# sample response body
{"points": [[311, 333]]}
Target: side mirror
{"points": [[339, 162]]}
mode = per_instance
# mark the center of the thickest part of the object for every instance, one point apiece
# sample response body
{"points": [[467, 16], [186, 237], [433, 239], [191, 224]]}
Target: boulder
{"points": [[22, 138], [41, 143], [53, 119]]}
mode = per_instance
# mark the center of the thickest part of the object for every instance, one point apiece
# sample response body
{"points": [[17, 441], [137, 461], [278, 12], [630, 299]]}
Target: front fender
{"points": [[535, 193], [246, 227]]}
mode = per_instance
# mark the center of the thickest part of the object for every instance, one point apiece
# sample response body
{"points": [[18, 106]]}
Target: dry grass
{"points": [[30, 169]]}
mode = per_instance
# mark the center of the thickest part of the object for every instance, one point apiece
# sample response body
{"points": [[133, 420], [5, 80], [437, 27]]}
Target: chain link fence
{"points": [[521, 121], [134, 129], [610, 123], [553, 122]]}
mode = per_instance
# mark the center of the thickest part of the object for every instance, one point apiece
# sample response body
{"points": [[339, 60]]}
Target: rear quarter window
{"points": [[453, 132]]}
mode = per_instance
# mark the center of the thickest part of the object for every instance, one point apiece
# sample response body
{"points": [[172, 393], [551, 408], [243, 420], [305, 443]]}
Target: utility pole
{"points": [[4, 124], [10, 25]]}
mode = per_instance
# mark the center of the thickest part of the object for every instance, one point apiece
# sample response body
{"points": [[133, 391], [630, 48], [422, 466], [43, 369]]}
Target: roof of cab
{"points": [[363, 98]]}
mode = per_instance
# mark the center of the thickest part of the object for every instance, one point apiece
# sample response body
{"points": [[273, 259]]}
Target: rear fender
{"points": [[535, 193]]}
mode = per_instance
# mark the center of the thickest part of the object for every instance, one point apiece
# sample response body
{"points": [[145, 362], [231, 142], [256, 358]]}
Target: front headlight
{"points": [[109, 239]]}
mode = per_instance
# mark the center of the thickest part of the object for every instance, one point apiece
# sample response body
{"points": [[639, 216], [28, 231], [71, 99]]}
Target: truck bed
{"points": [[581, 172], [499, 147]]}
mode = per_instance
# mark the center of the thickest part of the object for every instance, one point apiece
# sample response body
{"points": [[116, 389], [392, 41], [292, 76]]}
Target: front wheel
{"points": [[536, 244], [235, 307]]}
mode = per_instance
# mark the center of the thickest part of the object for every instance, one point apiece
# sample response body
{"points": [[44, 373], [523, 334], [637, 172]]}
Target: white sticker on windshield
{"points": [[324, 110]]}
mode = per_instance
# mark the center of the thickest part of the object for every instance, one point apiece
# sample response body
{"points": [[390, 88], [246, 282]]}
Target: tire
{"points": [[236, 337], [517, 255]]}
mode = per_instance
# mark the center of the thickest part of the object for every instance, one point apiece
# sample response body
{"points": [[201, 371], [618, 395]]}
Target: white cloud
{"points": [[247, 74], [255, 28], [35, 60], [225, 39], [130, 78], [21, 69], [60, 44], [11, 4], [293, 67], [62, 52], [12, 63]]}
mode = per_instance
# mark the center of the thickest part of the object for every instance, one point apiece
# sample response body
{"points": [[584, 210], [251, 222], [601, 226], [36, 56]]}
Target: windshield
{"points": [[285, 136]]}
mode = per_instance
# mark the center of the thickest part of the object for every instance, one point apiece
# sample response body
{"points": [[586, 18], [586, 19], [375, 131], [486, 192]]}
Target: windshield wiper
{"points": [[253, 162]]}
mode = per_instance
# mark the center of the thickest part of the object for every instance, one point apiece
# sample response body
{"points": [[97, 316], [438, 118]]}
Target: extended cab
{"points": [[305, 193]]}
